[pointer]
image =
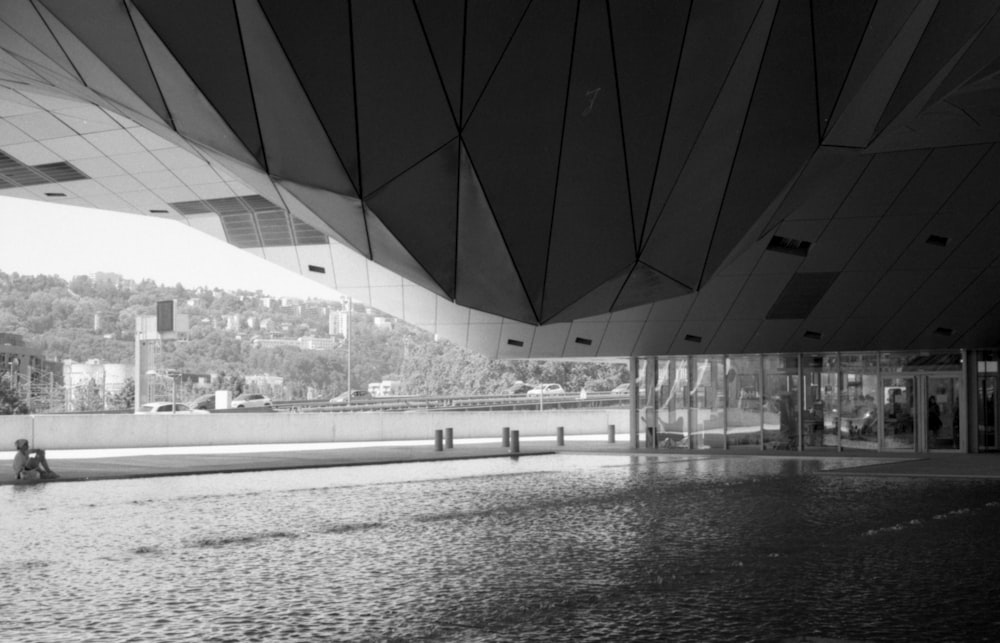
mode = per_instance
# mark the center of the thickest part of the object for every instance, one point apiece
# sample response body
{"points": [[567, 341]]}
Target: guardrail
{"points": [[456, 403]]}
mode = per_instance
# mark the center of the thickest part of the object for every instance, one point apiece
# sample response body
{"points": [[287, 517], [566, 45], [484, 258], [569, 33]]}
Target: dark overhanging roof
{"points": [[607, 170]]}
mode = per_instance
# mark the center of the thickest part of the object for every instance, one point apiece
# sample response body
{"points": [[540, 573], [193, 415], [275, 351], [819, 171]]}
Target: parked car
{"points": [[204, 402], [518, 388], [356, 395], [250, 400], [625, 389], [546, 389], [168, 407]]}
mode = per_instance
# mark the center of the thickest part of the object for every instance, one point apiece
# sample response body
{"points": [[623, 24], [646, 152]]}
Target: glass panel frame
{"points": [[782, 382], [743, 401]]}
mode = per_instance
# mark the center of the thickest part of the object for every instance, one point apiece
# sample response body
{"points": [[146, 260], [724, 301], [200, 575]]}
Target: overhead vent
{"points": [[56, 194], [801, 294], [320, 269], [515, 342], [937, 240], [789, 246], [944, 332], [693, 338], [252, 221], [159, 211], [14, 174], [584, 341], [811, 334]]}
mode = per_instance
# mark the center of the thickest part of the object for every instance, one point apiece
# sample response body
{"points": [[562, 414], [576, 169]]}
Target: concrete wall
{"points": [[68, 431]]}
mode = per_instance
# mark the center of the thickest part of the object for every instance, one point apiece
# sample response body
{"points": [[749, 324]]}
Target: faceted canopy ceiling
{"points": [[539, 178]]}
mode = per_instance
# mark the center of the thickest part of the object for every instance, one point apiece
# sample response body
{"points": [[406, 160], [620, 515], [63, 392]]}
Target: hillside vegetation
{"points": [[89, 318]]}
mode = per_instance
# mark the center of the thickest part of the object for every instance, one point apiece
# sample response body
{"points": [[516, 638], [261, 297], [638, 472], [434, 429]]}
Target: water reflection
{"points": [[554, 548]]}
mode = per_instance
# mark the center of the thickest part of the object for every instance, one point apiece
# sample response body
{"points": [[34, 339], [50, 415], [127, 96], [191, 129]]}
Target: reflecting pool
{"points": [[543, 548]]}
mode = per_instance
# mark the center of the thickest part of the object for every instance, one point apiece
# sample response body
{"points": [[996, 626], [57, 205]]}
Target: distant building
{"points": [[233, 322], [382, 323]]}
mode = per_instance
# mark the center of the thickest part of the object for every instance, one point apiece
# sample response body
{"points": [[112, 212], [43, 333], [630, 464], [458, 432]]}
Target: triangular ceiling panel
{"points": [[681, 237], [339, 213], [781, 132], [324, 65], [24, 19], [954, 24], [389, 252], [106, 28], [421, 207], [295, 143], [838, 27], [192, 115], [646, 284], [403, 112], [646, 62], [214, 37], [600, 298], [517, 159], [486, 278], [853, 125], [445, 36], [490, 27], [712, 41], [591, 174]]}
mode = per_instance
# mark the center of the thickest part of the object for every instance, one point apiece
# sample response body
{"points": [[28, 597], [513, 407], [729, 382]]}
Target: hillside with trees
{"points": [[93, 318]]}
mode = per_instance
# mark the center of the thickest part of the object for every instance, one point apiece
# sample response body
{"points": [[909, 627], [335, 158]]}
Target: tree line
{"points": [[84, 319]]}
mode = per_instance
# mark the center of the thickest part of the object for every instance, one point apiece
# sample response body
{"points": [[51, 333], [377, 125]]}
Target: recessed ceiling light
{"points": [[515, 342], [55, 194]]}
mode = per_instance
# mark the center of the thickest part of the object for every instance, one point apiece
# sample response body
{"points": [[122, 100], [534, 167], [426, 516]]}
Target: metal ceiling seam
{"points": [[486, 84], [250, 85], [648, 235], [357, 132], [640, 240], [437, 68], [58, 43], [736, 151], [309, 100], [558, 172], [499, 228]]}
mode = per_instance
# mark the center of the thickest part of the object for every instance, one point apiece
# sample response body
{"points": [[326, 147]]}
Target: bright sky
{"points": [[48, 239]]}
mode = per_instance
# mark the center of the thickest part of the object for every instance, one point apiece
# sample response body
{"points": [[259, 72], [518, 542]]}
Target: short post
{"points": [[560, 436], [506, 436], [515, 441], [438, 434], [449, 435], [611, 434]]}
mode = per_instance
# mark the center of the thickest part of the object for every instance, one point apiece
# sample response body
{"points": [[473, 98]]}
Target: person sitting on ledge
{"points": [[30, 464]]}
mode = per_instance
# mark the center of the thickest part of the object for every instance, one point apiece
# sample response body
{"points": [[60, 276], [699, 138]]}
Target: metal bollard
{"points": [[560, 436], [611, 434], [438, 433], [515, 441], [449, 435], [506, 437]]}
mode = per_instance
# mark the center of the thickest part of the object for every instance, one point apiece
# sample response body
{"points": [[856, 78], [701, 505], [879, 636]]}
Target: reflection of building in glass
{"points": [[832, 401]]}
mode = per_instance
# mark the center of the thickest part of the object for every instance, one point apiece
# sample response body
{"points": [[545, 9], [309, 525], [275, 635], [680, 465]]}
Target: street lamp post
{"points": [[348, 303]]}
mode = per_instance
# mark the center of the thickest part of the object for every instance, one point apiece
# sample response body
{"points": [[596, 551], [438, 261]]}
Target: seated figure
{"points": [[30, 464]]}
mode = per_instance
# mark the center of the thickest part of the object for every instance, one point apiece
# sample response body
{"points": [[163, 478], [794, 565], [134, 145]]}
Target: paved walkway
{"points": [[185, 462]]}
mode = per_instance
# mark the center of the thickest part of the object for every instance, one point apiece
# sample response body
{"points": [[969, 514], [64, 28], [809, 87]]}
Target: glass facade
{"points": [[870, 401]]}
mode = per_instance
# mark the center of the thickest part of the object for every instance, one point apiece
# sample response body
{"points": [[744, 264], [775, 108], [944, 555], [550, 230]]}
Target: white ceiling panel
{"points": [[716, 297], [138, 162], [550, 340], [101, 167], [200, 175], [846, 293], [482, 338], [580, 332], [515, 339], [757, 296], [72, 148], [686, 341], [176, 194], [115, 143], [175, 158], [620, 337], [10, 135], [419, 305], [212, 190], [451, 313], [86, 119], [40, 126], [32, 153], [656, 337], [733, 336], [156, 180]]}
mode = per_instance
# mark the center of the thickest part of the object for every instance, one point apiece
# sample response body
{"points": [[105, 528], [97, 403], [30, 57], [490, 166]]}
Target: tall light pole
{"points": [[347, 301]]}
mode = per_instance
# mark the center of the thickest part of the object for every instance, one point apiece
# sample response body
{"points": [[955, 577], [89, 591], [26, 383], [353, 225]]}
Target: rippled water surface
{"points": [[543, 548]]}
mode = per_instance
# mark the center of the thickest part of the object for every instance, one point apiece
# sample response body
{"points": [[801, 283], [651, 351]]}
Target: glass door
{"points": [[898, 413], [987, 413], [942, 415]]}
